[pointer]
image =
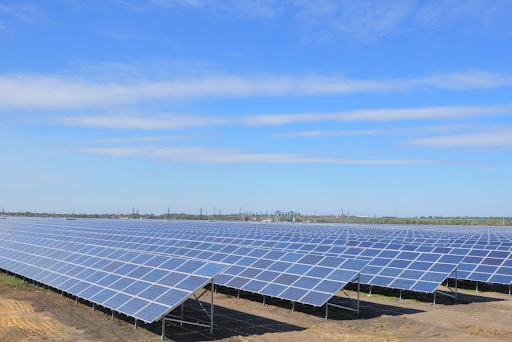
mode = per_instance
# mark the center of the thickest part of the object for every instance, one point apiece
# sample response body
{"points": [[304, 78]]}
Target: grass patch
{"points": [[11, 281], [393, 298], [383, 297]]}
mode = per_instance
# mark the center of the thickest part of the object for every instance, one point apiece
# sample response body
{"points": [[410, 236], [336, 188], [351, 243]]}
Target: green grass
{"points": [[383, 297], [11, 281], [393, 298]]}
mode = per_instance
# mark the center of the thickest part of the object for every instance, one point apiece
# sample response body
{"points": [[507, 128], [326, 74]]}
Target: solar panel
{"points": [[132, 292], [404, 257]]}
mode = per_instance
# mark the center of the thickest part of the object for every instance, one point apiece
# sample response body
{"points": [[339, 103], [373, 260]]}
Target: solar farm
{"points": [[148, 269]]}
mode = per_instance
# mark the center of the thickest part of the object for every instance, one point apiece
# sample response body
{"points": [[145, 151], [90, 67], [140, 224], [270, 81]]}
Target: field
{"points": [[31, 314]]}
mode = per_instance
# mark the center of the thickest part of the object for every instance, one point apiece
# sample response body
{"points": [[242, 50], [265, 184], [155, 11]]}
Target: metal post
{"points": [[264, 299], [456, 284], [93, 306], [358, 291], [182, 315], [370, 293], [509, 289], [136, 323], [477, 286], [435, 297], [61, 293], [293, 306], [76, 299], [113, 314], [211, 312], [163, 328], [326, 310], [238, 294], [400, 294]]}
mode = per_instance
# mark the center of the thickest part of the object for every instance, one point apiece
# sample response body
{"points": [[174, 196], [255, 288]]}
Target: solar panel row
{"points": [[137, 284], [410, 258], [388, 269], [294, 276]]}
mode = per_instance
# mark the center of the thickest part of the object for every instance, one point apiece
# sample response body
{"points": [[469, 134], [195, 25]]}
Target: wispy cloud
{"points": [[477, 15], [177, 121], [164, 121], [47, 91], [362, 21], [495, 138], [323, 134], [25, 12], [385, 114], [404, 130], [116, 140], [233, 8], [213, 155]]}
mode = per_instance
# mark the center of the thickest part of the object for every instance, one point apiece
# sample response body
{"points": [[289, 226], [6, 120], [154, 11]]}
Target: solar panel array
{"points": [[293, 276], [305, 263], [138, 284]]}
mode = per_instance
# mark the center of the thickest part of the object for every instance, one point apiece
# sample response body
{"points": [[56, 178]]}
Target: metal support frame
{"points": [[293, 306], [356, 302], [454, 292], [181, 318]]}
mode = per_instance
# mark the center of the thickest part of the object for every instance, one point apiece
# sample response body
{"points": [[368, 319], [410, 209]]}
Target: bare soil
{"points": [[28, 313]]}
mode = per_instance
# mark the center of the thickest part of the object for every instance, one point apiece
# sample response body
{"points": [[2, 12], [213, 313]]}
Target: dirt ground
{"points": [[31, 314]]}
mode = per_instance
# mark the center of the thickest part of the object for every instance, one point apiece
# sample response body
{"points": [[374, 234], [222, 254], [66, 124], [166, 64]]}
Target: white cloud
{"points": [[236, 8], [213, 155], [363, 21], [478, 15], [404, 130], [323, 134], [386, 114], [165, 121], [497, 138], [177, 121], [359, 21], [116, 140], [27, 13], [48, 91]]}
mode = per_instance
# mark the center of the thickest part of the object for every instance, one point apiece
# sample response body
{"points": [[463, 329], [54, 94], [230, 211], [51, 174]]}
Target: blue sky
{"points": [[374, 107]]}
